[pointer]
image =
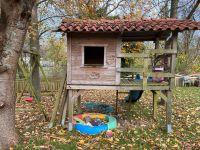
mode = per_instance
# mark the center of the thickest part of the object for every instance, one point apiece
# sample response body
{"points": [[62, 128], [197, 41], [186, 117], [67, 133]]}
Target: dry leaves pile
{"points": [[136, 128]]}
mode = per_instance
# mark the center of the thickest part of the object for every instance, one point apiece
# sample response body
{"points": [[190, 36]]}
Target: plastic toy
{"points": [[109, 133], [28, 99], [95, 125]]}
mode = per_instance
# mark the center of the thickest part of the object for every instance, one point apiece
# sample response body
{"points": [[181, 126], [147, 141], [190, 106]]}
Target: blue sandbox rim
{"points": [[90, 130]]}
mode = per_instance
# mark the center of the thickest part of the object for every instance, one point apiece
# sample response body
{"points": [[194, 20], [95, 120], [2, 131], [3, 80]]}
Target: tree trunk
{"points": [[173, 14], [14, 20], [35, 47], [174, 8]]}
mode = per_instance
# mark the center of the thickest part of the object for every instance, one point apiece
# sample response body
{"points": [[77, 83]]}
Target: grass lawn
{"points": [[136, 128]]}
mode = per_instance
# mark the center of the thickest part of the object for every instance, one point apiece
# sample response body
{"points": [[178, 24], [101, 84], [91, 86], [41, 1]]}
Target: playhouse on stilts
{"points": [[94, 59]]}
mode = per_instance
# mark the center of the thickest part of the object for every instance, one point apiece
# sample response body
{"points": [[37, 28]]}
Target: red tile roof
{"points": [[76, 25]]}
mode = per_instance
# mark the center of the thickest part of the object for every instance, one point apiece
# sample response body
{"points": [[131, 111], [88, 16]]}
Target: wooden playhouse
{"points": [[94, 58]]}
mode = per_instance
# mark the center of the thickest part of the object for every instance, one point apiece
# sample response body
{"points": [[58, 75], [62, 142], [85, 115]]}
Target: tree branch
{"points": [[193, 10], [47, 30], [118, 4], [40, 2], [50, 17]]}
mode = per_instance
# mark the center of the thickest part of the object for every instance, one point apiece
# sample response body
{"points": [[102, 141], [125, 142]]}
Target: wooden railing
{"points": [[144, 70]]}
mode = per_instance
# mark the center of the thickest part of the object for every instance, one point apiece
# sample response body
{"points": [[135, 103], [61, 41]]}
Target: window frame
{"points": [[93, 45]]}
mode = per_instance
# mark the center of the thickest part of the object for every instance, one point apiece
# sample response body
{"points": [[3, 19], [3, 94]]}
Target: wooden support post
{"points": [[116, 107], [169, 112], [163, 96], [144, 84], [173, 59], [156, 47], [64, 112], [69, 107], [79, 104], [118, 60], [70, 110], [172, 84], [155, 104]]}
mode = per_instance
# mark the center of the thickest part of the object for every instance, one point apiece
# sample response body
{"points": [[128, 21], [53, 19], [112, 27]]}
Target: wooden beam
{"points": [[118, 60], [151, 74], [116, 87], [161, 74], [156, 47], [130, 69], [66, 103], [173, 59], [70, 104], [161, 51], [146, 53], [155, 104], [132, 55], [70, 110], [145, 74], [169, 112], [117, 98], [79, 110], [163, 96]]}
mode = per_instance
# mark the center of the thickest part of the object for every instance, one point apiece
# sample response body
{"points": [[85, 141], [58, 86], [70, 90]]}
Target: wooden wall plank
{"points": [[68, 40]]}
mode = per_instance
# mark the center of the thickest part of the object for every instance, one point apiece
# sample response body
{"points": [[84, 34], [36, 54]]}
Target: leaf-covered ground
{"points": [[136, 128]]}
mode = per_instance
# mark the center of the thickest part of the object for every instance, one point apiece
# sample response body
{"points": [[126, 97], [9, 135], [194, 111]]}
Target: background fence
{"points": [[54, 84]]}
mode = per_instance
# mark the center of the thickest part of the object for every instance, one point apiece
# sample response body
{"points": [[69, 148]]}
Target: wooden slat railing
{"points": [[146, 53]]}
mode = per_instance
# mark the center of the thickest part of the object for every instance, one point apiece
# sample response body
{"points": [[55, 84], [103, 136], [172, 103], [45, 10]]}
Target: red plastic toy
{"points": [[28, 99]]}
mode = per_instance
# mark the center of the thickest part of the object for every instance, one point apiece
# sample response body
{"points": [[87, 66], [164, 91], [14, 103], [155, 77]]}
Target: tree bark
{"points": [[174, 8], [35, 46], [15, 16]]}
